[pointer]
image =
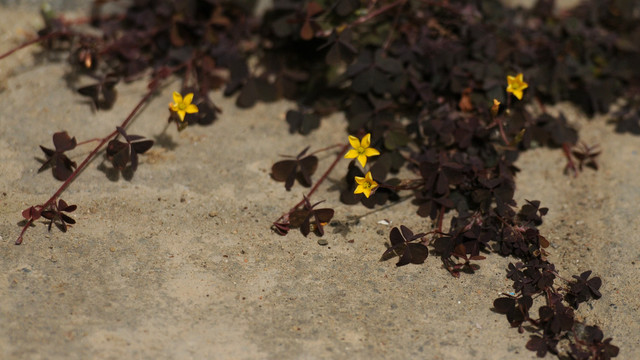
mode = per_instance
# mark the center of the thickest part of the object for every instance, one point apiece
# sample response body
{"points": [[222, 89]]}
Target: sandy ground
{"points": [[179, 262]]}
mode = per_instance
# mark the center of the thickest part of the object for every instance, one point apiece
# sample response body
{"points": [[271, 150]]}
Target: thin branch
{"points": [[33, 41], [88, 159]]}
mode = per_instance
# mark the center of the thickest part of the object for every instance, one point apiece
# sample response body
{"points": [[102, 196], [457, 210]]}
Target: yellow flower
{"points": [[361, 149], [495, 107], [183, 106], [366, 185], [516, 85]]}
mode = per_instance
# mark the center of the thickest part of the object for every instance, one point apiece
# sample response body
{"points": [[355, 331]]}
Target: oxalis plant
{"points": [[450, 91]]}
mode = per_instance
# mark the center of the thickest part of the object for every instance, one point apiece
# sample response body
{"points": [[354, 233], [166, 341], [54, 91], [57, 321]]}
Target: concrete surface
{"points": [[179, 262]]}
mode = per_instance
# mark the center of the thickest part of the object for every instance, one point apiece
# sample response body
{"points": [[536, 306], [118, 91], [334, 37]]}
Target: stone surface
{"points": [[179, 261]]}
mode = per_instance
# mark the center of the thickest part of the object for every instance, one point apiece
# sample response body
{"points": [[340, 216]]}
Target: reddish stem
{"points": [[88, 159], [31, 42], [88, 141], [86, 20], [375, 13], [566, 148], [387, 42], [325, 149], [440, 218], [366, 17], [502, 133], [408, 185]]}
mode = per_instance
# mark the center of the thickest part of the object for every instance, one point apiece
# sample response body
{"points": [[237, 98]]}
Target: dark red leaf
{"points": [[281, 170], [63, 142], [141, 147], [248, 95]]}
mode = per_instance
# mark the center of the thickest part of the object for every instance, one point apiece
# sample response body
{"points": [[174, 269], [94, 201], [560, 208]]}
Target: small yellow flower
{"points": [[183, 106], [516, 85], [361, 149], [495, 107], [366, 185]]}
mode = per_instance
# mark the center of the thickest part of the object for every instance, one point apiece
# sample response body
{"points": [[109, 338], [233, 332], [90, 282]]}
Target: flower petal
{"points": [[173, 107], [354, 142], [188, 98], [181, 113], [359, 190], [359, 179], [362, 159], [371, 152], [351, 154], [177, 98], [191, 109], [518, 94], [366, 141]]}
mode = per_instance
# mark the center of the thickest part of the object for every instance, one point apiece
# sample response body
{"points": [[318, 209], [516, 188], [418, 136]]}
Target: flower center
{"points": [[361, 150], [366, 185], [182, 106]]}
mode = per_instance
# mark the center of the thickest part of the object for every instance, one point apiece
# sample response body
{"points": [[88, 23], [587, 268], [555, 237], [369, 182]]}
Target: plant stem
{"points": [[88, 159], [440, 218], [31, 42], [370, 15], [566, 148], [375, 13], [325, 149], [88, 141], [387, 42], [502, 133]]}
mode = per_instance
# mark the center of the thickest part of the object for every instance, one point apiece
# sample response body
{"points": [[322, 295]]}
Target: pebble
{"points": [[322, 242], [112, 249]]}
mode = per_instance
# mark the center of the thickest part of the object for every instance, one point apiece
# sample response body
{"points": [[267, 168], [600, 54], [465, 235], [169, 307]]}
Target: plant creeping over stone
{"points": [[417, 78]]}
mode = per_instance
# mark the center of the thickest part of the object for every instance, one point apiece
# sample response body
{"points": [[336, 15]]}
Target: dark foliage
{"points": [[60, 164], [583, 289], [301, 168], [301, 122], [590, 344], [421, 77], [403, 245], [56, 215], [103, 94], [587, 155], [122, 153], [309, 219], [627, 118]]}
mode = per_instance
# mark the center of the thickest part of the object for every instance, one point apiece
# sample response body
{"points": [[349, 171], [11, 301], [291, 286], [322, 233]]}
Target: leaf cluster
{"points": [[555, 320], [420, 77], [55, 213], [300, 168], [60, 164], [122, 153], [404, 245]]}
